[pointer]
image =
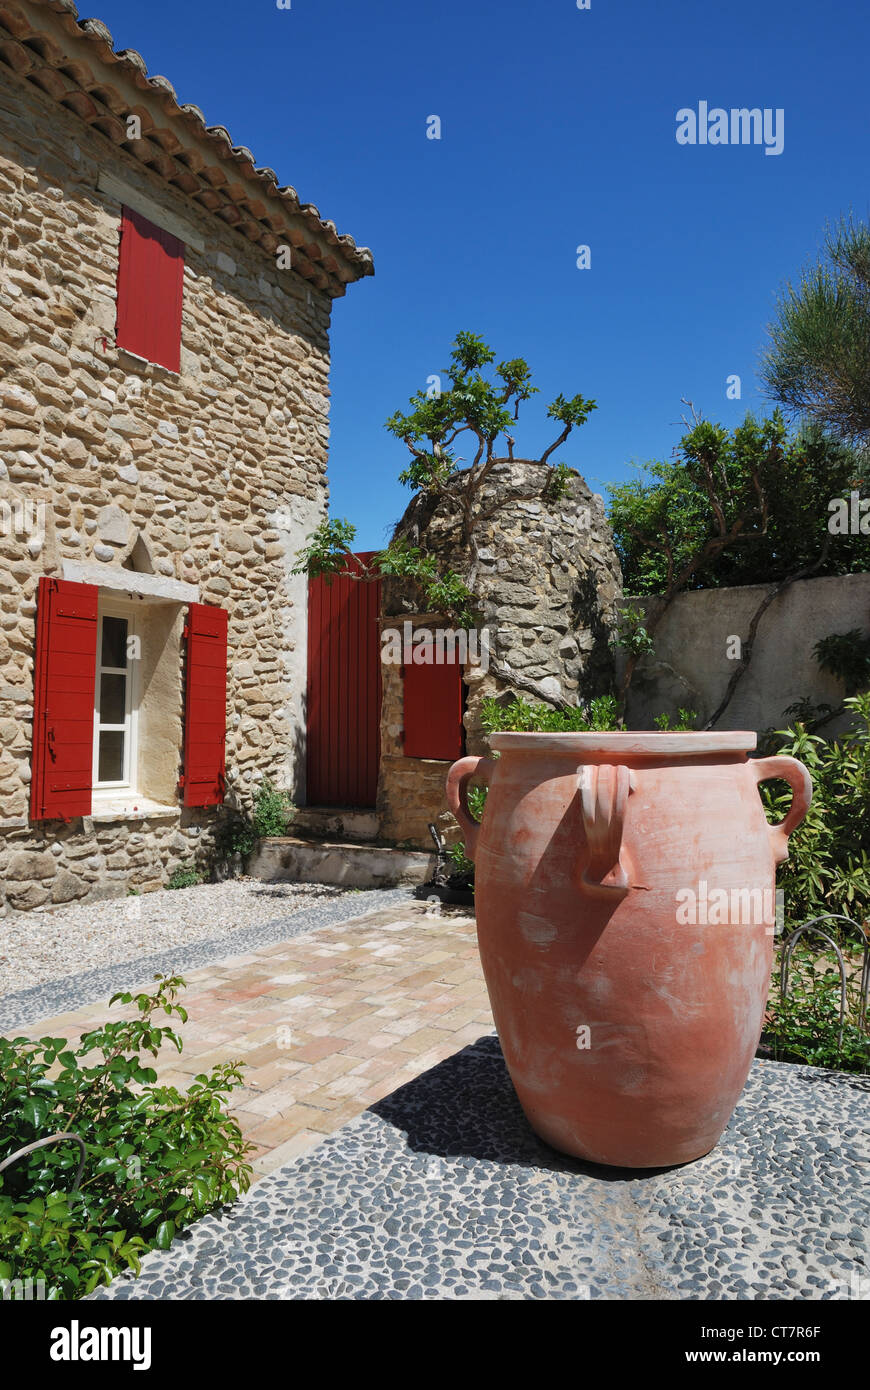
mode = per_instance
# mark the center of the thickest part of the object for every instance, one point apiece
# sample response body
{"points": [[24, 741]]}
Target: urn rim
{"points": [[634, 742]]}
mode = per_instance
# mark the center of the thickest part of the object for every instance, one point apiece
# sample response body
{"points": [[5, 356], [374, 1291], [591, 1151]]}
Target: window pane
{"points": [[111, 763], [114, 642], [113, 699]]}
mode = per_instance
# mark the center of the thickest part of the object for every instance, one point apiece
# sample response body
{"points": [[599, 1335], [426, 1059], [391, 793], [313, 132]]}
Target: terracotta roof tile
{"points": [[73, 61]]}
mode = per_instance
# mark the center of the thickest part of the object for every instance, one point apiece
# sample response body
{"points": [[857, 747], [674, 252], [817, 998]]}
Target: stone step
{"points": [[348, 863], [335, 823]]}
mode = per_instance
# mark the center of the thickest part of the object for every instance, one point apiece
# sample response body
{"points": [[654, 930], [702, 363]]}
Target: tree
{"points": [[750, 506], [483, 409], [818, 362], [473, 406]]}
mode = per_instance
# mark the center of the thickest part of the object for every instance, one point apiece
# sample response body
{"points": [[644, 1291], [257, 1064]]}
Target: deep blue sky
{"points": [[558, 129]]}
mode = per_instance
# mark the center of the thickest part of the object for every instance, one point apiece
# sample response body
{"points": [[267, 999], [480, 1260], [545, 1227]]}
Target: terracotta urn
{"points": [[625, 890]]}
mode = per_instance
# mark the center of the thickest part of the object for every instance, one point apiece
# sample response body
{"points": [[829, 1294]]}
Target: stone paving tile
{"points": [[358, 1021], [58, 997]]}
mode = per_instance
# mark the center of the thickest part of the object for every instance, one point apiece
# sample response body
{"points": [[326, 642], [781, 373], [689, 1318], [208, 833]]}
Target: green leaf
{"points": [[35, 1111], [164, 1236]]}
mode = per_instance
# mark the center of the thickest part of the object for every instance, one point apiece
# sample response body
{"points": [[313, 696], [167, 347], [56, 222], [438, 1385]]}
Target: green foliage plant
{"points": [[828, 868], [156, 1158], [273, 811], [185, 876]]}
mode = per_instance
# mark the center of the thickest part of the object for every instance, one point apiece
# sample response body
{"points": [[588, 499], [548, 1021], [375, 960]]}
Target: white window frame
{"points": [[113, 608]]}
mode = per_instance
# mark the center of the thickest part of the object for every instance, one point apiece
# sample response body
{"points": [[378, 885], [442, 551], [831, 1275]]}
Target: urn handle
{"points": [[604, 791], [458, 779], [798, 778]]}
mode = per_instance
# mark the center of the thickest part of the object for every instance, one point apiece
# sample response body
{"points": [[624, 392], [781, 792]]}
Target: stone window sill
{"points": [[105, 809]]}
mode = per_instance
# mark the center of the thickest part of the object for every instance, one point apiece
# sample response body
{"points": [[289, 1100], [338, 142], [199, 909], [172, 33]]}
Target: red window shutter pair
{"points": [[63, 703], [433, 725], [150, 290]]}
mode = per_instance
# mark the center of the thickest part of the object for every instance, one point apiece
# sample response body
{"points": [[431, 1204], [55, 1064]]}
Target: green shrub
{"points": [[235, 835], [828, 868], [846, 655], [805, 1026], [185, 876], [463, 867], [273, 810], [156, 1159], [599, 716], [521, 716], [476, 801]]}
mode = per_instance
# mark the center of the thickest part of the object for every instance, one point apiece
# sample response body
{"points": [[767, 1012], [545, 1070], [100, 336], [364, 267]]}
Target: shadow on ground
{"points": [[467, 1107]]}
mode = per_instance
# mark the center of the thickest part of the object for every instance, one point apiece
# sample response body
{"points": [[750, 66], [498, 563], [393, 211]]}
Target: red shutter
{"points": [[150, 286], [433, 708], [205, 714], [64, 679]]}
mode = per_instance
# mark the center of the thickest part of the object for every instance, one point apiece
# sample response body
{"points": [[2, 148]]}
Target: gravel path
{"points": [[442, 1191], [80, 955], [39, 946]]}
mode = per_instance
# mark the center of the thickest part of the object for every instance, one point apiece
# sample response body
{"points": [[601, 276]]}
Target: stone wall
{"points": [[548, 583], [210, 478], [691, 665]]}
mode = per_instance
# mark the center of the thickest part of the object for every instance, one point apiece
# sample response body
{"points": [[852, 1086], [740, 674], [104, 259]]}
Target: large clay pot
{"points": [[627, 1027]]}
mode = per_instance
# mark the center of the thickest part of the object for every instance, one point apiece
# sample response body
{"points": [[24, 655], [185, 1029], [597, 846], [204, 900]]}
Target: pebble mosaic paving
{"points": [[392, 1159]]}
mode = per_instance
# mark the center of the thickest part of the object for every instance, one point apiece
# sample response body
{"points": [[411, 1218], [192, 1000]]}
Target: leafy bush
{"points": [[273, 810], [828, 868], [476, 801], [521, 716], [600, 715], [846, 655], [185, 876], [156, 1159], [678, 723], [805, 1026], [631, 633], [238, 832], [733, 507], [235, 835]]}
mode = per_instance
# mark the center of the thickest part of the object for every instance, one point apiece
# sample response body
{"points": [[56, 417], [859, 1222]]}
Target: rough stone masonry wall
{"points": [[548, 582], [212, 477]]}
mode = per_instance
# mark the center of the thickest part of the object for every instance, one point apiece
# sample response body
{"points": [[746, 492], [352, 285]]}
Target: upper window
{"points": [[115, 702], [150, 288]]}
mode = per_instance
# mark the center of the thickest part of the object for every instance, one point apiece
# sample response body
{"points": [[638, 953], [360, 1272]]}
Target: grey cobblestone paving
{"points": [[442, 1191]]}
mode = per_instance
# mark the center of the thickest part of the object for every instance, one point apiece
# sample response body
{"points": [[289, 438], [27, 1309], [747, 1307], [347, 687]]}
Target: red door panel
{"points": [[344, 689]]}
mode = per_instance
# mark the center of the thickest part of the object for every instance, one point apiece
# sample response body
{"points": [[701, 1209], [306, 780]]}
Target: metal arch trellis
{"points": [[40, 1144], [811, 926]]}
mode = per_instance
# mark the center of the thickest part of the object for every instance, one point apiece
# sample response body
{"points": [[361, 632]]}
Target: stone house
{"points": [[164, 367]]}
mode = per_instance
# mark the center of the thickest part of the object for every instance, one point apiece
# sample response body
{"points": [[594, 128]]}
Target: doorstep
{"points": [[335, 823], [348, 863]]}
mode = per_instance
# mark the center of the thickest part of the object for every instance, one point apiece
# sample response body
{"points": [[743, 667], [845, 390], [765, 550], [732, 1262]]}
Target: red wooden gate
{"points": [[344, 689]]}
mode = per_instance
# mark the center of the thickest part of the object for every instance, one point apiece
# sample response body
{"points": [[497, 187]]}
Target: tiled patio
{"points": [[327, 1023]]}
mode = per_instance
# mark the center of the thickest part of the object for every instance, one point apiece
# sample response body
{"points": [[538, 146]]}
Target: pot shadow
{"points": [[466, 1106]]}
